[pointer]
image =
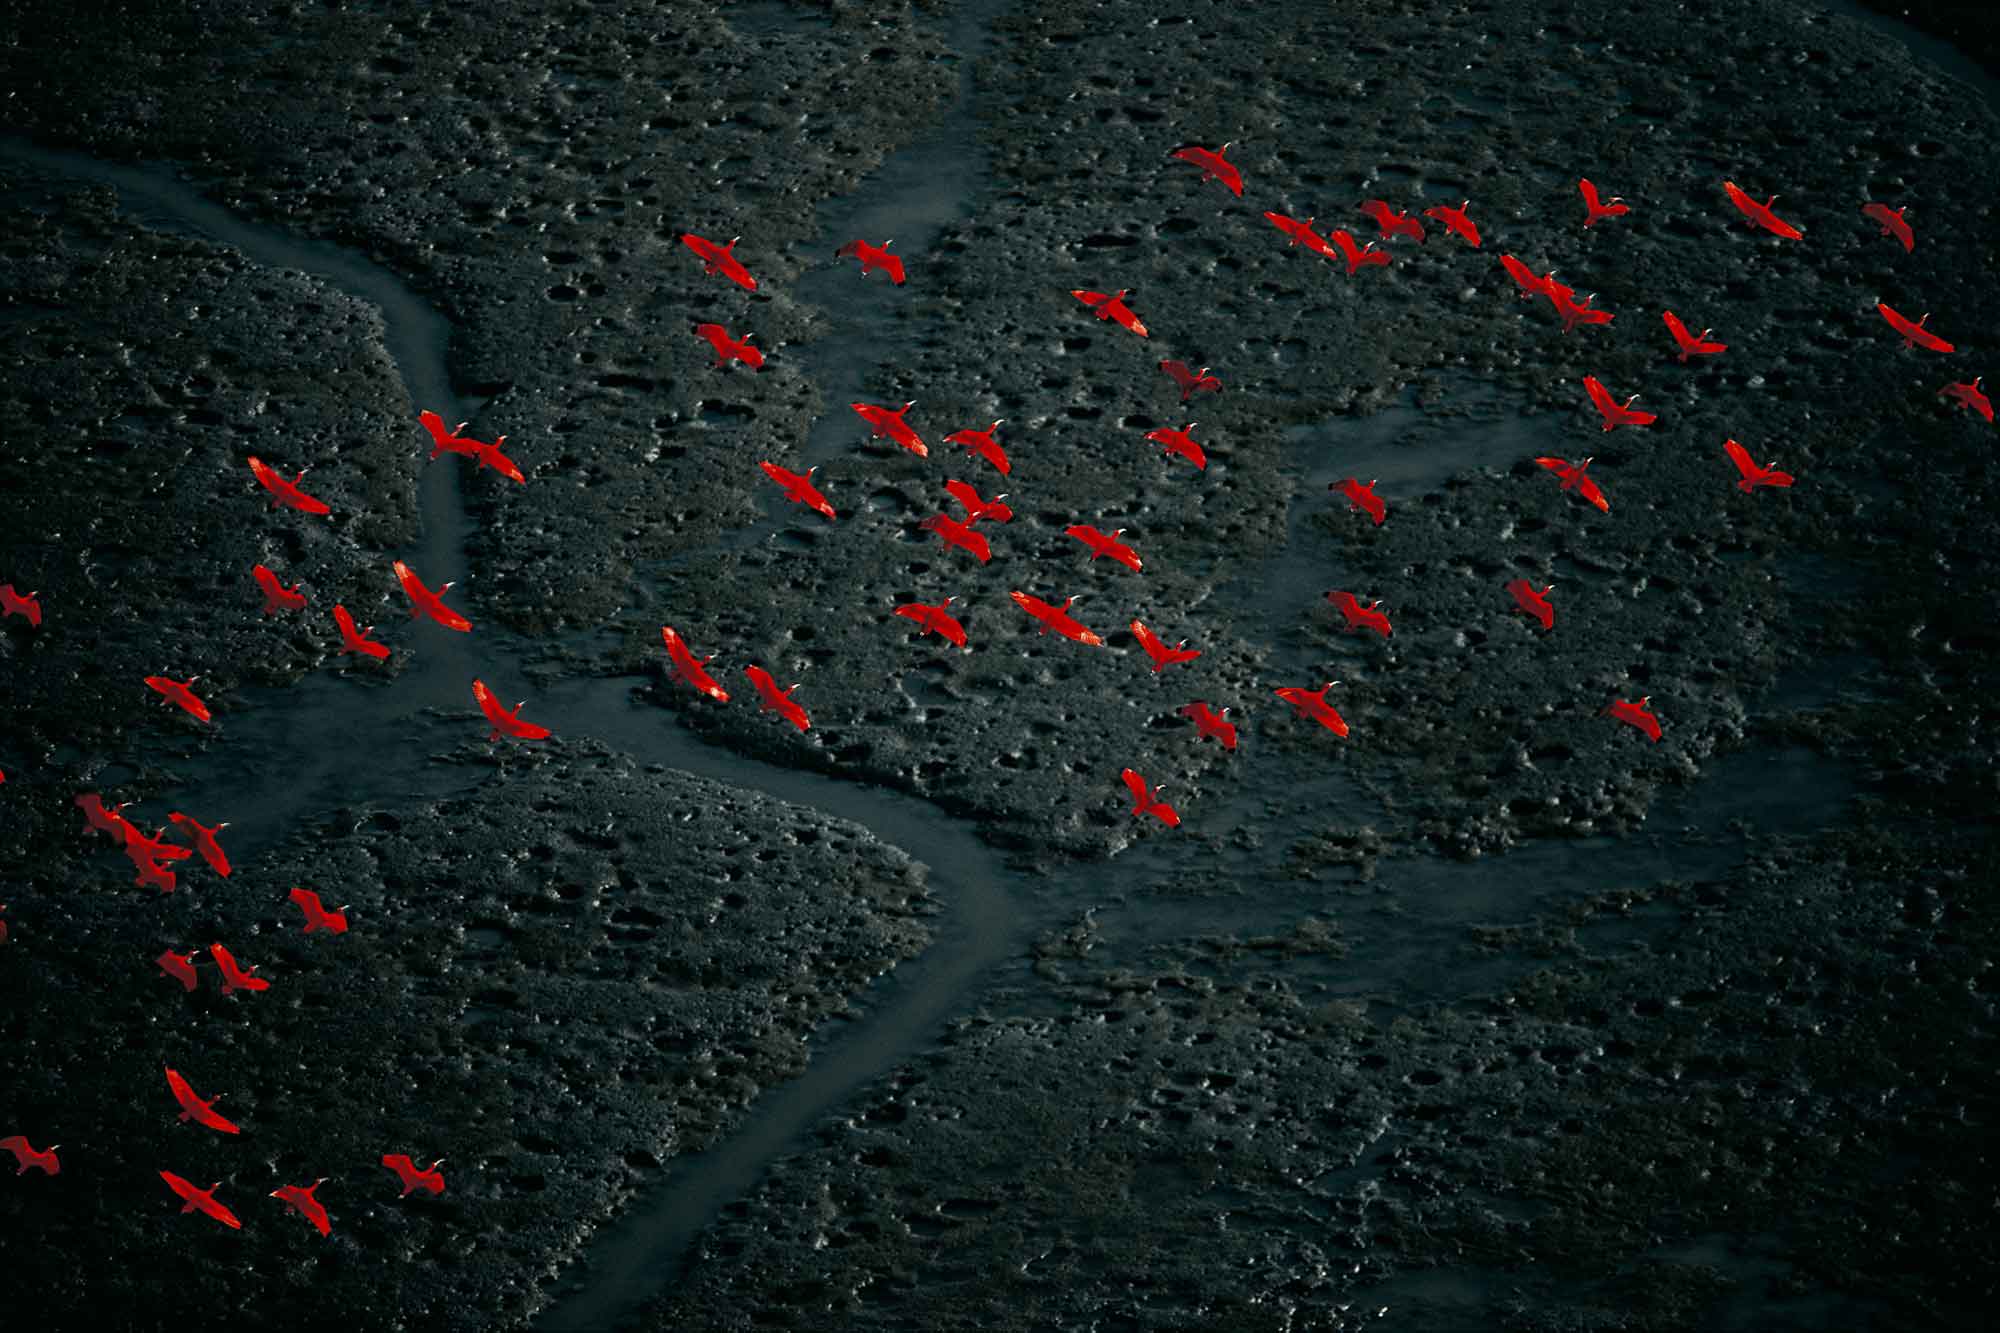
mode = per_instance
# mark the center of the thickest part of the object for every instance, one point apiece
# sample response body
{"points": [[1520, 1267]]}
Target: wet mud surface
{"points": [[1490, 1015]]}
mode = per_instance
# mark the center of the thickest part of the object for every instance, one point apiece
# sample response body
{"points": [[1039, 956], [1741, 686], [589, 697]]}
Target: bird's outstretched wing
{"points": [[1599, 395], [1141, 794], [1741, 457]]}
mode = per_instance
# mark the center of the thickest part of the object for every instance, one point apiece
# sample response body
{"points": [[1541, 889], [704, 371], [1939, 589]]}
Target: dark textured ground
{"points": [[1773, 1114]]}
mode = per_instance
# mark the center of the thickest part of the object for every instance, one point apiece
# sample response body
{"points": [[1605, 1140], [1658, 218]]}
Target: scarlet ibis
{"points": [[1969, 395], [729, 349], [44, 1161], [1914, 334], [1392, 221], [195, 1109], [1111, 307], [1191, 381], [300, 1199], [1530, 285], [1146, 800], [1760, 215], [981, 444], [1752, 475], [889, 423], [202, 838], [1691, 344], [179, 966], [1102, 543], [1456, 220], [687, 668], [771, 699], [1360, 617], [1637, 715], [107, 821], [1056, 618], [424, 602], [286, 494], [798, 487], [489, 455], [961, 535], [935, 620], [140, 847], [1573, 479], [1892, 223], [1357, 257], [1535, 603], [1180, 442], [445, 441], [1301, 233], [1208, 722], [720, 259], [1615, 414], [406, 1170], [1163, 656], [354, 640], [277, 597], [504, 719], [234, 978], [153, 873], [23, 605], [977, 508], [179, 692], [1214, 166], [1595, 208], [1362, 497], [1312, 704], [317, 916], [1574, 313], [873, 257], [202, 1200]]}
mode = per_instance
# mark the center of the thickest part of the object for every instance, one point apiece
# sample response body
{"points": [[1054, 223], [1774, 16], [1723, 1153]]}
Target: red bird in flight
{"points": [[977, 508], [1214, 166], [982, 445], [1573, 479], [1595, 208], [1753, 476], [1969, 395], [1572, 313], [1535, 603], [202, 1200], [24, 1156], [1614, 414], [1530, 285], [1180, 442], [1637, 715], [424, 602], [1760, 215], [771, 699], [17, 604], [1208, 722], [234, 978], [1362, 497], [728, 349], [1163, 656], [884, 422], [489, 455], [1101, 543], [277, 597], [317, 917], [504, 720], [153, 873], [179, 966], [179, 692], [1111, 307], [1392, 222], [300, 1199], [688, 668], [935, 620], [202, 839], [1056, 618], [1360, 617], [961, 535], [798, 487], [1691, 344], [195, 1109], [1892, 223], [445, 441], [1312, 704], [1191, 381], [1456, 220], [1302, 233], [406, 1170], [353, 640], [1914, 334], [142, 848], [720, 259], [1358, 257], [287, 493], [107, 821], [873, 257], [1146, 800]]}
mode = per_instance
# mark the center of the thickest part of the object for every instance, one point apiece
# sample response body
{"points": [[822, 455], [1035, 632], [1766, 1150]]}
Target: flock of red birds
{"points": [[153, 857]]}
